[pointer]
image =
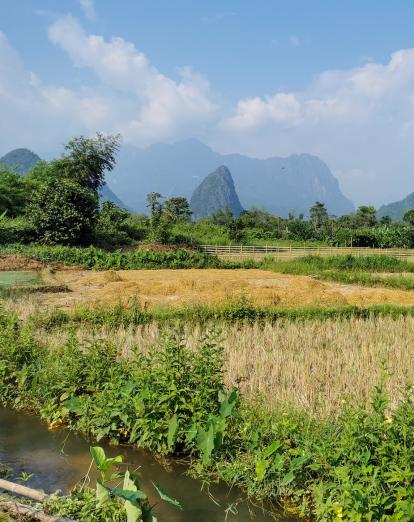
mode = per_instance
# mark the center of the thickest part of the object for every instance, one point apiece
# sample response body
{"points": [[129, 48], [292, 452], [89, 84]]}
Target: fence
{"points": [[290, 252]]}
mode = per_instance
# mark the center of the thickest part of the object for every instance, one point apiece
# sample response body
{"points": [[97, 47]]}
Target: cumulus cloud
{"points": [[158, 106], [359, 120]]}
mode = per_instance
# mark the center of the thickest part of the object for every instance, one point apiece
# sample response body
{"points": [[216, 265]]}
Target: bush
{"points": [[17, 230]]}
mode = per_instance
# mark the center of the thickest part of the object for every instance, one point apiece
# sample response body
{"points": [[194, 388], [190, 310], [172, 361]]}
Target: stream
{"points": [[59, 459]]}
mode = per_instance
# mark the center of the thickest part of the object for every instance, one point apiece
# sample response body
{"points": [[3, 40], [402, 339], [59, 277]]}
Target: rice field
{"points": [[309, 365], [180, 288]]}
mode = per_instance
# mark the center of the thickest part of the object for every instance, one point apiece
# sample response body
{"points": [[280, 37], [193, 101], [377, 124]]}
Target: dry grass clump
{"points": [[306, 364]]}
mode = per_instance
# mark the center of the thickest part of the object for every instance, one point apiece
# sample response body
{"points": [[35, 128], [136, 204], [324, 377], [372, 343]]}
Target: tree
{"points": [[63, 212], [13, 193], [64, 205], [177, 209], [87, 159], [366, 216], [385, 220], [409, 217], [318, 214]]}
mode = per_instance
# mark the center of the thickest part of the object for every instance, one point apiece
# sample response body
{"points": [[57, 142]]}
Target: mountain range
{"points": [[278, 185], [397, 209], [22, 160]]}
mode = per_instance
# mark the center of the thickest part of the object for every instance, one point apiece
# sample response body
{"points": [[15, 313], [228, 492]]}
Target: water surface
{"points": [[59, 459]]}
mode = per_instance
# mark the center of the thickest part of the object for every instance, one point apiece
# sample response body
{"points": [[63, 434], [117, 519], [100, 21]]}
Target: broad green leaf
{"points": [[205, 443], [102, 494], [287, 479], [191, 433], [74, 405], [133, 511], [98, 456], [228, 403], [164, 496], [271, 449], [172, 431], [131, 496], [261, 468]]}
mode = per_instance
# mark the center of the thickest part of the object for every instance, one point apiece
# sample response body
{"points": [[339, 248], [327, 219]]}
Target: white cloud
{"points": [[159, 107], [358, 120], [88, 8]]}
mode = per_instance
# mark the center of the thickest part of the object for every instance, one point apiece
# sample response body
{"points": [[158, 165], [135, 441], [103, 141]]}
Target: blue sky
{"points": [[333, 78]]}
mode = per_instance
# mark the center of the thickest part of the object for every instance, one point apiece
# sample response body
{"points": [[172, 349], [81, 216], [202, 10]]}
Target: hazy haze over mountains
{"points": [[278, 185]]}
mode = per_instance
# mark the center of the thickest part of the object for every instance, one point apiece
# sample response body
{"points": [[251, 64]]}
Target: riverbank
{"points": [[173, 400]]}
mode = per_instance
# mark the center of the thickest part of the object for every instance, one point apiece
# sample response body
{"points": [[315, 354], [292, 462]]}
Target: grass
{"points": [[171, 397], [306, 361], [349, 270]]}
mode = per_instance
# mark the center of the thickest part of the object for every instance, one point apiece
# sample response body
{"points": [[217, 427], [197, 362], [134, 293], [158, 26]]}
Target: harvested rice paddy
{"points": [[178, 288]]}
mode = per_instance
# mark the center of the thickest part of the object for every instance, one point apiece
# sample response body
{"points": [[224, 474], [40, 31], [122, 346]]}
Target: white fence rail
{"points": [[289, 252]]}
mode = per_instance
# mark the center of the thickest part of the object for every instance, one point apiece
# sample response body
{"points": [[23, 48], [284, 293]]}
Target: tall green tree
{"points": [[13, 192], [64, 206], [409, 217], [177, 209], [366, 216], [318, 214]]}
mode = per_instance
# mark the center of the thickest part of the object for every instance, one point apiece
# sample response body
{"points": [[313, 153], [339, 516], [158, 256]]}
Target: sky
{"points": [[263, 78]]}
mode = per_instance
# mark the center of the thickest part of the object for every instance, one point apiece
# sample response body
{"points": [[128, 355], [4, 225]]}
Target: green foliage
{"points": [[62, 211], [354, 466], [409, 217], [17, 230], [86, 160], [101, 259], [112, 228], [13, 193]]}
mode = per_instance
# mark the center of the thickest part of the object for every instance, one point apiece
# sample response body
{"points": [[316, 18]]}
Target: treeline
{"points": [[58, 202]]}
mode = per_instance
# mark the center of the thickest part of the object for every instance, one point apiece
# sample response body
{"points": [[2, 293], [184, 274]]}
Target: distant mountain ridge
{"points": [[278, 185], [22, 160], [215, 192], [397, 209]]}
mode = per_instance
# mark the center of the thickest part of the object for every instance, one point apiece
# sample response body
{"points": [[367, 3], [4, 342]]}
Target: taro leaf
{"points": [[164, 496], [133, 511], [131, 496], [205, 443], [102, 463], [102, 495], [287, 479], [271, 449], [98, 455], [261, 468], [228, 403], [74, 405], [172, 431], [191, 433]]}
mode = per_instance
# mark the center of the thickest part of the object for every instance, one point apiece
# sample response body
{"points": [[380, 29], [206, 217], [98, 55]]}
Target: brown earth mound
{"points": [[15, 262]]}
